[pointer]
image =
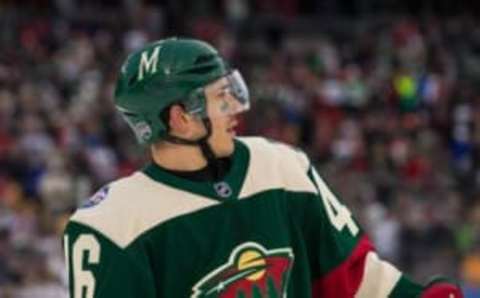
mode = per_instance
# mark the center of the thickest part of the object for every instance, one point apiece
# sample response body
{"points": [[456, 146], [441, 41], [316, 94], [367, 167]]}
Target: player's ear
{"points": [[179, 120]]}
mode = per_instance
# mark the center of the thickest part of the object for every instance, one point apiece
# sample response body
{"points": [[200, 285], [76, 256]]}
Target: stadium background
{"points": [[383, 95]]}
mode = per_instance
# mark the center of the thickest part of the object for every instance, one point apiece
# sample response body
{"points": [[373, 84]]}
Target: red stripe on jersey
{"points": [[345, 279]]}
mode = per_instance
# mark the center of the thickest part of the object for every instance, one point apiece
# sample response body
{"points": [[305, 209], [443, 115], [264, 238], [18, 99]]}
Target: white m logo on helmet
{"points": [[148, 63]]}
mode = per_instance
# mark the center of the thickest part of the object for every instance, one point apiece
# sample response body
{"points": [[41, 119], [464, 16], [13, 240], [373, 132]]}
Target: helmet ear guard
{"points": [[142, 126]]}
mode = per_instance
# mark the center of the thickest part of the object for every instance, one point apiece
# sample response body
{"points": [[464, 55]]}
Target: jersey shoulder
{"points": [[275, 165], [126, 208], [264, 148]]}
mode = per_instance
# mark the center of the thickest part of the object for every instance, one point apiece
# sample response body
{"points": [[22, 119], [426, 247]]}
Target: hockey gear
{"points": [[174, 71]]}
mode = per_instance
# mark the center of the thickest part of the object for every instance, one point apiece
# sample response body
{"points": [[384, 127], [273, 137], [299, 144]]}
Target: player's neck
{"points": [[178, 157]]}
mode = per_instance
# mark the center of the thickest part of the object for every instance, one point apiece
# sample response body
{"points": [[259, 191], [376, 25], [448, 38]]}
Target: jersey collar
{"points": [[217, 190]]}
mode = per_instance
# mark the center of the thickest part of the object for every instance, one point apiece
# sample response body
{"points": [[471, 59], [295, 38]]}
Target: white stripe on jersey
{"points": [[379, 278]]}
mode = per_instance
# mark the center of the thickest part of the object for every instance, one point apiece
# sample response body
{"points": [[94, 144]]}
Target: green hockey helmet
{"points": [[173, 71]]}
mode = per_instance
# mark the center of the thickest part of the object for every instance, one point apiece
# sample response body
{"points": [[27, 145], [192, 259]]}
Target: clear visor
{"points": [[226, 96]]}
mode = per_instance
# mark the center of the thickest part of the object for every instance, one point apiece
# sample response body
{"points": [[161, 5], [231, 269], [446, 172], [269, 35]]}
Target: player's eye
{"points": [[224, 91]]}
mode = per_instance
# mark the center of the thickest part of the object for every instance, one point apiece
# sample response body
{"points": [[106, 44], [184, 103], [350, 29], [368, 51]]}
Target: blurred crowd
{"points": [[387, 107]]}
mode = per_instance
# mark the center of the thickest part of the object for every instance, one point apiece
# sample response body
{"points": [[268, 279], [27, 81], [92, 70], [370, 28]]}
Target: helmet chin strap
{"points": [[205, 148]]}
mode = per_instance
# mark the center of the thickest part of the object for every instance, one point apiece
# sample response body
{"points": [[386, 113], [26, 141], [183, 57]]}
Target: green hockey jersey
{"points": [[270, 228]]}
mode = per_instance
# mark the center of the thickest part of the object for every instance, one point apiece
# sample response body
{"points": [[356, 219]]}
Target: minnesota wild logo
{"points": [[251, 272]]}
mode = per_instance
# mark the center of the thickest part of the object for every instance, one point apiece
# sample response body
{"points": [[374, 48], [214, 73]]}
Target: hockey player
{"points": [[214, 215]]}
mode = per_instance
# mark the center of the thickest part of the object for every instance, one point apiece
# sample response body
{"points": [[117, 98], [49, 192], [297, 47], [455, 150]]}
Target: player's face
{"points": [[221, 108]]}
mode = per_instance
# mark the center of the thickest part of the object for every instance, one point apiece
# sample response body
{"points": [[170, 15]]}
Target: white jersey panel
{"points": [[136, 204], [275, 166]]}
